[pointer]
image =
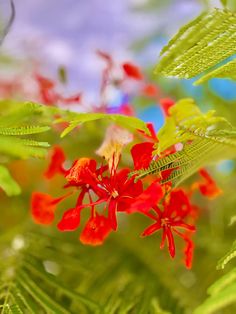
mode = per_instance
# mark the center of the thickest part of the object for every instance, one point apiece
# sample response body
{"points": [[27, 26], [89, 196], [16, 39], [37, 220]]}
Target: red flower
{"points": [[71, 99], [176, 209], [152, 137], [82, 170], [150, 90], [56, 163], [96, 230], [132, 71], [46, 90], [84, 174], [119, 192], [43, 207], [207, 186]]}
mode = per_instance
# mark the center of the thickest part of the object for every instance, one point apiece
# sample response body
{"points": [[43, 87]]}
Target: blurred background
{"points": [[68, 32]]}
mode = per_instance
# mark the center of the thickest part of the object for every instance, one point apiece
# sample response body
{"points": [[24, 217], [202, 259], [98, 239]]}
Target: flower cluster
{"points": [[105, 190]]}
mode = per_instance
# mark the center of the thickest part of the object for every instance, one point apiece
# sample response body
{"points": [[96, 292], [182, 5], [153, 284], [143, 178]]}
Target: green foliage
{"points": [[7, 183], [200, 45], [222, 293], [31, 278], [228, 257], [186, 123], [16, 129], [202, 136], [227, 70], [224, 2], [16, 121], [23, 130], [76, 119]]}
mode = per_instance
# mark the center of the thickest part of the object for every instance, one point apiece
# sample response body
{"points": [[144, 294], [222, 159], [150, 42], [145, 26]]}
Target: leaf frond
{"points": [[199, 45]]}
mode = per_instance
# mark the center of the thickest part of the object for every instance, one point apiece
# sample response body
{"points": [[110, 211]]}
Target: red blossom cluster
{"points": [[105, 190]]}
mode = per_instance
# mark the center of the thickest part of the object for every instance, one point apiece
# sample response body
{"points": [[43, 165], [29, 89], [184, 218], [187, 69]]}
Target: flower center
{"points": [[114, 194], [165, 222]]}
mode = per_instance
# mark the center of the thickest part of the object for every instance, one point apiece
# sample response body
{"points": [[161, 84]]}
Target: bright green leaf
{"points": [[7, 183], [199, 45]]}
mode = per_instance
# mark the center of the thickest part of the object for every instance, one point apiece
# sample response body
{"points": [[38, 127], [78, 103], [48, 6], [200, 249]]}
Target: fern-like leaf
{"points": [[227, 70], [17, 122], [76, 119], [35, 276], [199, 45], [23, 130], [203, 140], [21, 148], [17, 113]]}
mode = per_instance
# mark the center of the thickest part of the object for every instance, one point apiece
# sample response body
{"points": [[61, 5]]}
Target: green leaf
{"points": [[228, 257], [17, 113], [22, 148], [223, 282], [55, 274], [227, 70], [222, 293], [76, 119], [199, 45], [186, 123], [18, 121], [7, 183], [23, 130], [203, 139]]}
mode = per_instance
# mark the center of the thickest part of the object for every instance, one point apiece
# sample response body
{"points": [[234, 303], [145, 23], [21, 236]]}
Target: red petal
{"points": [[44, 82], [163, 239], [72, 99], [42, 208], [151, 229], [171, 243], [56, 163], [178, 203], [184, 226], [146, 200], [70, 220], [152, 133], [82, 171], [112, 209], [209, 187], [151, 128], [189, 248], [142, 155], [127, 188], [132, 71], [166, 104], [96, 230]]}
